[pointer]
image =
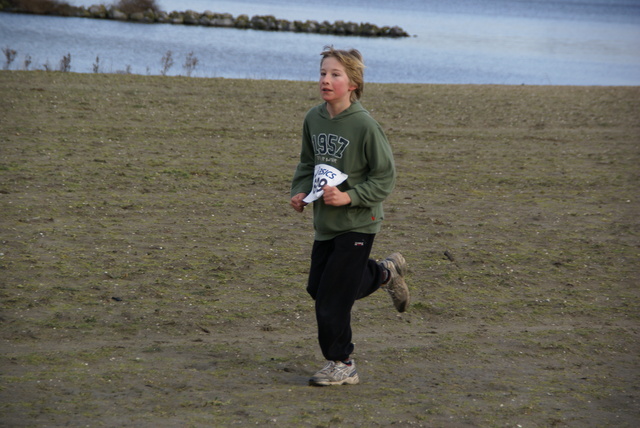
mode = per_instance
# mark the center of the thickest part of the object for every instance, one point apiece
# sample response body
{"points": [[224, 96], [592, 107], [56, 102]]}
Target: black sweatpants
{"points": [[341, 272]]}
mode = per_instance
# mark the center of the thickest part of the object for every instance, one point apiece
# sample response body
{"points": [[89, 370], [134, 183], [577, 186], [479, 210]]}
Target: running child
{"points": [[346, 170]]}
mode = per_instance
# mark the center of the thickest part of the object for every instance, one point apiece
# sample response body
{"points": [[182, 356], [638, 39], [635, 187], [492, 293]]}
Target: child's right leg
{"points": [[337, 270], [342, 272]]}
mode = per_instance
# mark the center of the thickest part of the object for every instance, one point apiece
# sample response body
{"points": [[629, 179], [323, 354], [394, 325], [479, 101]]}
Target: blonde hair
{"points": [[353, 64]]}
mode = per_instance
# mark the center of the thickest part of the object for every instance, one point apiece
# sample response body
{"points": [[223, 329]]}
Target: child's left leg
{"points": [[371, 279]]}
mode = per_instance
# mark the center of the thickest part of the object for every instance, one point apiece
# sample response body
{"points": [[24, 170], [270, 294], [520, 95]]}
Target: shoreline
{"points": [[124, 73]]}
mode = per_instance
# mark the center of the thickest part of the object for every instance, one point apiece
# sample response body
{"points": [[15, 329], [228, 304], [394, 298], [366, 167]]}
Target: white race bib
{"points": [[324, 175]]}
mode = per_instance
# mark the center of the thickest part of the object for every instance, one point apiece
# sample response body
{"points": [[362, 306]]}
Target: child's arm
{"points": [[303, 176], [380, 179]]}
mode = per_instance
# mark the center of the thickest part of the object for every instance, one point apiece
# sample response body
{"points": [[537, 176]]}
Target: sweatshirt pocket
{"points": [[337, 220], [360, 217]]}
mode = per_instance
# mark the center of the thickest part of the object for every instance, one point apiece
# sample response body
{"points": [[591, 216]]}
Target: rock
{"points": [[242, 21], [309, 27], [80, 12], [266, 23], [397, 32], [191, 17], [284, 25], [176, 18], [339, 28], [258, 23], [222, 22], [368, 30], [98, 11], [117, 14], [162, 17], [351, 28], [137, 17], [325, 27], [149, 16]]}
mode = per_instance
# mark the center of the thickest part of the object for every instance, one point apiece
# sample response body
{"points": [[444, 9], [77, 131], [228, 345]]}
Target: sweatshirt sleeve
{"points": [[381, 176], [303, 176]]}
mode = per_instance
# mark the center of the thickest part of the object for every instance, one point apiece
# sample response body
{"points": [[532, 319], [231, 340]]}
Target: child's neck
{"points": [[337, 108]]}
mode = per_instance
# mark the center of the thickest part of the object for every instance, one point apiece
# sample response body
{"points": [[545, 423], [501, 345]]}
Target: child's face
{"points": [[335, 87]]}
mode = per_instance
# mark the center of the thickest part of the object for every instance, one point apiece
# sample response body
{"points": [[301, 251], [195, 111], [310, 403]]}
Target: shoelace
{"points": [[328, 368]]}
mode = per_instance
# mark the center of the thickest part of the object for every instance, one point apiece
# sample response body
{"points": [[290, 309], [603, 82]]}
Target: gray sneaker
{"points": [[396, 286], [336, 373]]}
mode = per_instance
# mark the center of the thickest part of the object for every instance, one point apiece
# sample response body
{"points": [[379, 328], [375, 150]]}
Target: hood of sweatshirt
{"points": [[354, 108]]}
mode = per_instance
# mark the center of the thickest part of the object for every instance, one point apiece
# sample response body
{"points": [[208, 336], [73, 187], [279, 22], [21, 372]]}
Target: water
{"points": [[569, 42]]}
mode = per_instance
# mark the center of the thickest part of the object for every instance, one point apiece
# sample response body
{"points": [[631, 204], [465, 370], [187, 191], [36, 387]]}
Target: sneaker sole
{"points": [[400, 265], [353, 380]]}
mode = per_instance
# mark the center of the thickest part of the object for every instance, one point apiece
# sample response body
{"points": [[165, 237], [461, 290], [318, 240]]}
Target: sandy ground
{"points": [[152, 273]]}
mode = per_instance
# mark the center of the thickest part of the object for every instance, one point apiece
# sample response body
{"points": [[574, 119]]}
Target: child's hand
{"points": [[297, 202], [333, 196]]}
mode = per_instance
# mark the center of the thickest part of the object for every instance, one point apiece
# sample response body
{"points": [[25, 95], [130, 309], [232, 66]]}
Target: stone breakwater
{"points": [[222, 20]]}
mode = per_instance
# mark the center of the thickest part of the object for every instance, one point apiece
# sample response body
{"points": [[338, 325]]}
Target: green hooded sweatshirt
{"points": [[354, 143]]}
